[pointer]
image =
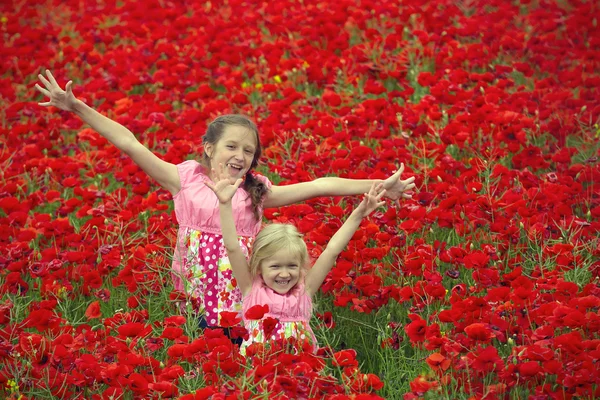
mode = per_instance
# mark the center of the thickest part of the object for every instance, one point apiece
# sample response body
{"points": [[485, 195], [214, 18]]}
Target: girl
{"points": [[277, 276], [200, 267]]}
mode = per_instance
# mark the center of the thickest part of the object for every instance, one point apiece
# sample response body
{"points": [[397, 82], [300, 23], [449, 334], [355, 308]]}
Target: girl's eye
{"points": [[274, 266], [230, 146], [249, 152]]}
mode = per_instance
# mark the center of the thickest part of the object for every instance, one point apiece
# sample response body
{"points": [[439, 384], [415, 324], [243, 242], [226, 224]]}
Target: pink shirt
{"points": [[200, 265], [293, 306], [197, 206], [292, 311]]}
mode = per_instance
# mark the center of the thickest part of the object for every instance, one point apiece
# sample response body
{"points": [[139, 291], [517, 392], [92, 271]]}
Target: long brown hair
{"points": [[257, 190]]}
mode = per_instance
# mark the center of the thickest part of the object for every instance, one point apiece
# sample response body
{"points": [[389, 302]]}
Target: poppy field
{"points": [[484, 285]]}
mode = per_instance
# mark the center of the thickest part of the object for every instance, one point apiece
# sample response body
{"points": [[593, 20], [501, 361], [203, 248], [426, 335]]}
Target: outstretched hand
{"points": [[222, 185], [397, 188], [59, 98], [372, 200]]}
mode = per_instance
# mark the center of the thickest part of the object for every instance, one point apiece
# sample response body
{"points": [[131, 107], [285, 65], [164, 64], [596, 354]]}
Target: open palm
{"points": [[59, 98], [397, 188], [223, 187], [372, 200]]}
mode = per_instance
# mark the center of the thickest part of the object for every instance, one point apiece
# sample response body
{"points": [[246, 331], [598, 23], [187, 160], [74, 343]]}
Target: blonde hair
{"points": [[275, 237]]}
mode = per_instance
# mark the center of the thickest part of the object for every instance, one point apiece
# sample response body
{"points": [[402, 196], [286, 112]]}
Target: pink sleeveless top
{"points": [[200, 265], [292, 310]]}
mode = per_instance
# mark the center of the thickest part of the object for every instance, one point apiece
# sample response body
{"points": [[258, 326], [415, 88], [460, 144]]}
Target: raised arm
{"points": [[395, 188], [163, 172], [317, 274], [239, 266]]}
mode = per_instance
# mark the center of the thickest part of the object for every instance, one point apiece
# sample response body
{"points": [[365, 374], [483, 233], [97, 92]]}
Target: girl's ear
{"points": [[208, 149]]}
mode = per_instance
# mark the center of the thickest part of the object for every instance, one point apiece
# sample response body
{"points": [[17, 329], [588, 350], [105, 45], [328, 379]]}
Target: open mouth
{"points": [[282, 282], [234, 168]]}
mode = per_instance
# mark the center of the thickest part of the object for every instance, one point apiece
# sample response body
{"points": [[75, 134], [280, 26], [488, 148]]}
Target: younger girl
{"points": [[199, 266], [278, 277]]}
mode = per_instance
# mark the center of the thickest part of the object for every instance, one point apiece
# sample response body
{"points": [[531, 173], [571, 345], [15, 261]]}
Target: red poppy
{"points": [[138, 384], [93, 310], [204, 393], [327, 319], [345, 358], [164, 389], [133, 302], [529, 369], [480, 332], [486, 360], [229, 319], [438, 362], [416, 329], [269, 325], [256, 312], [172, 333], [134, 329]]}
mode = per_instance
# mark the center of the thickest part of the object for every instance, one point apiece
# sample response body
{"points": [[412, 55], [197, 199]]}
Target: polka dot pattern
{"points": [[208, 275]]}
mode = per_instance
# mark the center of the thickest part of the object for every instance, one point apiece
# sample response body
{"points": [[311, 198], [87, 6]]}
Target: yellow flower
{"points": [[277, 78], [62, 293]]}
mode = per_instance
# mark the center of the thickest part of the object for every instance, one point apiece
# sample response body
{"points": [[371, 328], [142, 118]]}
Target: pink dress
{"points": [[292, 311], [200, 266]]}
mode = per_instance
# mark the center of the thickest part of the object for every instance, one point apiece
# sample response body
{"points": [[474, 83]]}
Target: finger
{"points": [[365, 201], [215, 175], [380, 195], [221, 173], [42, 90], [68, 87], [406, 196], [51, 77], [45, 81], [371, 189], [210, 185], [238, 183], [409, 180], [46, 104], [379, 204], [399, 171], [376, 188]]}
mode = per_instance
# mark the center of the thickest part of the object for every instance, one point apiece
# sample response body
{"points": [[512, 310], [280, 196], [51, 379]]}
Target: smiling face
{"points": [[282, 271], [235, 149]]}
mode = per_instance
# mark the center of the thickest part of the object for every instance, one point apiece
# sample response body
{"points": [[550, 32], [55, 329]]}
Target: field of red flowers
{"points": [[484, 286]]}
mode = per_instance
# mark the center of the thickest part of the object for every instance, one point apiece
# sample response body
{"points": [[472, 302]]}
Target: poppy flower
{"points": [[438, 362], [345, 358], [268, 326], [230, 319], [172, 333], [134, 329], [480, 332], [256, 312], [416, 330], [93, 310]]}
